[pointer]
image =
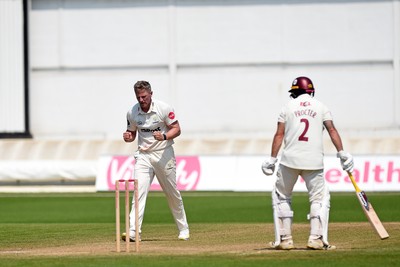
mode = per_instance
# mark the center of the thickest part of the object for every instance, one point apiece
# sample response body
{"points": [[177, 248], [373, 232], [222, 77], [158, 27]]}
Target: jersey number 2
{"points": [[303, 136]]}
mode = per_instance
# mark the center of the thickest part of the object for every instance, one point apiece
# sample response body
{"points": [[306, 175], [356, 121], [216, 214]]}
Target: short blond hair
{"points": [[142, 85]]}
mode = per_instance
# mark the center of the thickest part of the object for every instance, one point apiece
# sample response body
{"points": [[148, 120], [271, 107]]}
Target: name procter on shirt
{"points": [[303, 118], [159, 116]]}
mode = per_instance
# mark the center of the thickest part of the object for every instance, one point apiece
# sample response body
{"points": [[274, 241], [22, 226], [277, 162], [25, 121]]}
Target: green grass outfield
{"points": [[227, 229]]}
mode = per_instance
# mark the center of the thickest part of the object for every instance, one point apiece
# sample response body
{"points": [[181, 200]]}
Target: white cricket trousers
{"points": [[161, 164], [314, 180], [318, 195]]}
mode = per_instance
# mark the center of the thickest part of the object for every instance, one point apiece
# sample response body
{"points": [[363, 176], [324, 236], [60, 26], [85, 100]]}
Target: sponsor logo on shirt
{"points": [[150, 130], [305, 104], [171, 115]]}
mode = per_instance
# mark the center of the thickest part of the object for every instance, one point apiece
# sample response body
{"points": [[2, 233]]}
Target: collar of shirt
{"points": [[304, 96], [149, 111]]}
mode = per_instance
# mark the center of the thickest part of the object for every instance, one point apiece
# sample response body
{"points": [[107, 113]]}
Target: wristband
{"points": [[165, 136]]}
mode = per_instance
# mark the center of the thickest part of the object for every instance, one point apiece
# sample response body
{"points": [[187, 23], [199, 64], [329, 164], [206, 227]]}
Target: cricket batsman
{"points": [[300, 127]]}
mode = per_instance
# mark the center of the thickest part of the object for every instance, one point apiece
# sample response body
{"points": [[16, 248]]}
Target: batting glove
{"points": [[346, 160], [268, 166]]}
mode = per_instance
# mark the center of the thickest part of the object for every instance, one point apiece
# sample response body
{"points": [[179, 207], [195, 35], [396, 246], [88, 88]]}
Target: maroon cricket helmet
{"points": [[302, 85]]}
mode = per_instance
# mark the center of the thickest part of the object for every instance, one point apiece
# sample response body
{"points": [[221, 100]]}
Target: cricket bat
{"points": [[369, 210]]}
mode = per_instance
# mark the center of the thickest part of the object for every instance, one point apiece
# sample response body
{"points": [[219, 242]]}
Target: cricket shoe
{"points": [[317, 244], [131, 238], [283, 245], [184, 235]]}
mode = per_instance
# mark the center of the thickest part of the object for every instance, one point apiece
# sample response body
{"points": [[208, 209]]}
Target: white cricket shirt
{"points": [[303, 118], [159, 116]]}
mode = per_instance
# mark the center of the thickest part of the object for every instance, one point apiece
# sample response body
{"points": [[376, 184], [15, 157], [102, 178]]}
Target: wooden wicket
{"points": [[127, 212]]}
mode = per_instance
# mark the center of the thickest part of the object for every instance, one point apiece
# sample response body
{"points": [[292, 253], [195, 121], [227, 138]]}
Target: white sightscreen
{"points": [[12, 104]]}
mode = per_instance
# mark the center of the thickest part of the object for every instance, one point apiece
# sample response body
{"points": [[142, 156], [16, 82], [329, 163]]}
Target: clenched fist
{"points": [[128, 136]]}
